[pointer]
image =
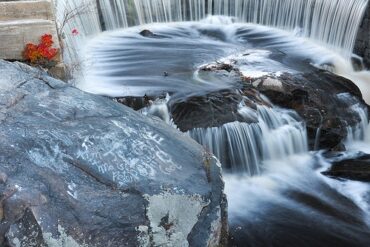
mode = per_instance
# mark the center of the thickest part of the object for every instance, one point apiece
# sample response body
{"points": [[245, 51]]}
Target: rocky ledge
{"points": [[81, 170], [325, 101], [353, 168]]}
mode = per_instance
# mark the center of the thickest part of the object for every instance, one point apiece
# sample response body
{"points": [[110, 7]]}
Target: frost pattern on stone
{"points": [[172, 217]]}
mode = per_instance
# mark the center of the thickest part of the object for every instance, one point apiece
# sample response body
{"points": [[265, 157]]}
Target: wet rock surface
{"points": [[202, 111], [356, 168], [80, 170], [204, 62], [316, 97], [149, 34], [213, 109], [323, 100], [362, 45]]}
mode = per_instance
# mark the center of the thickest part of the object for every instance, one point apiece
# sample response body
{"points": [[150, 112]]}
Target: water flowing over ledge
{"points": [[330, 23], [77, 21], [116, 61], [244, 147], [333, 23], [358, 136]]}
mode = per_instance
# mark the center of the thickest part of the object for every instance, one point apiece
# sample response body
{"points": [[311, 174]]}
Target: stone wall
{"points": [[23, 22], [362, 46]]}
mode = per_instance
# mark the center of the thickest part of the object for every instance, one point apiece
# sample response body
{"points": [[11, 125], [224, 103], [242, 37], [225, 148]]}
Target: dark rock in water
{"points": [[362, 45], [212, 109], [318, 96], [202, 111], [219, 66], [81, 170], [136, 103], [149, 34], [358, 63], [357, 168], [315, 98]]}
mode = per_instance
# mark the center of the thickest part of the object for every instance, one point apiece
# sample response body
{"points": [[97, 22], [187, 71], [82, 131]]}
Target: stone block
{"points": [[15, 10], [14, 35]]}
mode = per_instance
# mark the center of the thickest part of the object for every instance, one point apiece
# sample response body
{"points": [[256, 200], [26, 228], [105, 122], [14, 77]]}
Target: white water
{"points": [[360, 78], [329, 23], [275, 134], [77, 22], [243, 147], [292, 204], [333, 23], [103, 75], [358, 138], [281, 195], [159, 108]]}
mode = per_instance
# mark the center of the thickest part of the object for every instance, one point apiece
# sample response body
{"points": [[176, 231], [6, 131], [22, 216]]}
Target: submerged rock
{"points": [[81, 170], [212, 109], [149, 34], [202, 111], [357, 168], [146, 33]]}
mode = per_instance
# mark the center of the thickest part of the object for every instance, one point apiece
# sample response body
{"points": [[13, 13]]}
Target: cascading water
{"points": [[274, 183], [330, 24], [76, 20], [292, 204], [360, 131], [333, 23], [243, 147], [358, 138], [277, 195]]}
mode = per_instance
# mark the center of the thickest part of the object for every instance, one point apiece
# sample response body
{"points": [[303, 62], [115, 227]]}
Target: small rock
{"points": [[146, 33]]}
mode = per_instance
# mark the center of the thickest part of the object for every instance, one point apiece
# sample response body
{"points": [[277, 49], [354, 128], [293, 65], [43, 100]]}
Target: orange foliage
{"points": [[41, 52]]}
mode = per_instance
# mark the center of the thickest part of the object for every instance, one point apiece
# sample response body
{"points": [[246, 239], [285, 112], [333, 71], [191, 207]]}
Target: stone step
{"points": [[35, 9], [14, 35]]}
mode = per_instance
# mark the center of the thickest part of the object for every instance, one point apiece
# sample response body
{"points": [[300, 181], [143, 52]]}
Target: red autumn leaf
{"points": [[47, 40], [75, 31], [43, 51]]}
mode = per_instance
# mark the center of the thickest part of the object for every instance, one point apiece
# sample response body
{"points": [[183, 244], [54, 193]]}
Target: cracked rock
{"points": [[81, 170]]}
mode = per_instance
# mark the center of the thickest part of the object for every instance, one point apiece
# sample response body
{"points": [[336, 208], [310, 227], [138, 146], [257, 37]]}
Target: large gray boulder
{"points": [[81, 170]]}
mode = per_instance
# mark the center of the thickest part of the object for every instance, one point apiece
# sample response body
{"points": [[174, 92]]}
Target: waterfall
{"points": [[358, 136], [333, 23], [76, 20], [274, 134], [361, 131], [159, 109], [245, 146]]}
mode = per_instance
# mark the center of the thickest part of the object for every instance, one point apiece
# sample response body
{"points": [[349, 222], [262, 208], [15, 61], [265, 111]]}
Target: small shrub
{"points": [[42, 53]]}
